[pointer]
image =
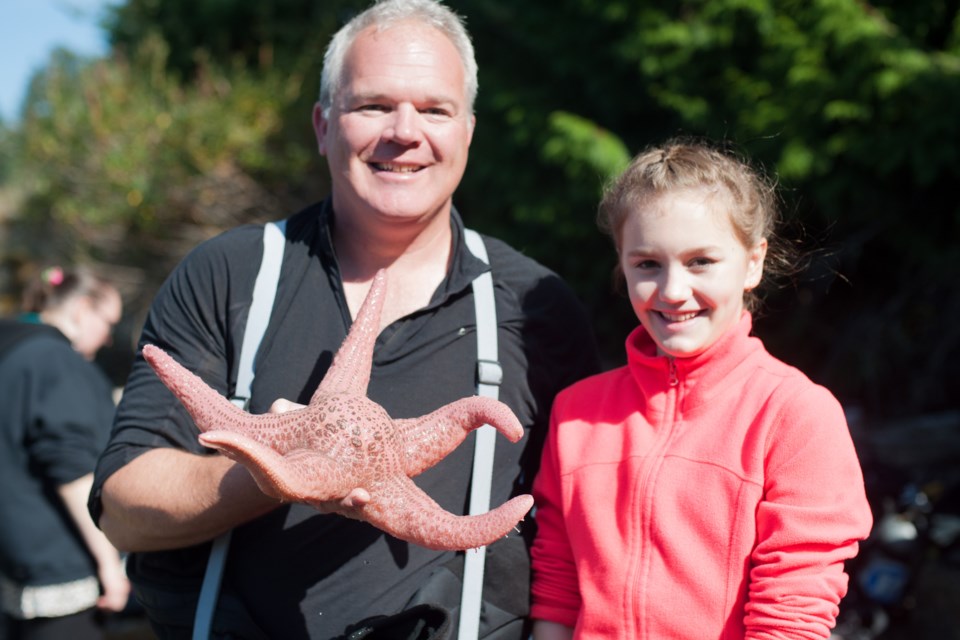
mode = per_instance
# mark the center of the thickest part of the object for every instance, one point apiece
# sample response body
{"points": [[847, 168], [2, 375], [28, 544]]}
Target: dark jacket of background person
{"points": [[55, 419]]}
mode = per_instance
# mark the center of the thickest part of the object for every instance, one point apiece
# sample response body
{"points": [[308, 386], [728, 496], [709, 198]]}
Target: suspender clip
{"points": [[489, 372]]}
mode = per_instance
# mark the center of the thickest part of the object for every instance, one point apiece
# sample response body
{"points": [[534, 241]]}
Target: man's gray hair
{"points": [[387, 13]]}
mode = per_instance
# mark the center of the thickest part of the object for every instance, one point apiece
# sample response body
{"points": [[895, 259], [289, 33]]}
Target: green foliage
{"points": [[200, 119], [581, 149], [856, 117], [120, 162], [278, 34], [6, 148]]}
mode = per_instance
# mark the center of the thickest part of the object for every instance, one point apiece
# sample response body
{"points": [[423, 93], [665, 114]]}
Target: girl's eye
{"points": [[645, 265], [701, 262]]}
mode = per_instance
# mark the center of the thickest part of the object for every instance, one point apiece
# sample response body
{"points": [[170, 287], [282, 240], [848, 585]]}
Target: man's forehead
{"points": [[408, 39], [415, 60]]}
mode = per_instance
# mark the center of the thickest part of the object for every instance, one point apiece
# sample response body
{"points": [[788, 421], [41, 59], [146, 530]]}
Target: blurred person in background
{"points": [[57, 570]]}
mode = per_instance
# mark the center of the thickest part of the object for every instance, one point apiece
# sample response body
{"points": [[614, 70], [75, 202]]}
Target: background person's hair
{"points": [[54, 285], [383, 15]]}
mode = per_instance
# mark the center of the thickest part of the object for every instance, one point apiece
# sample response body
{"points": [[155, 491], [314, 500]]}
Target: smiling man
{"points": [[394, 122]]}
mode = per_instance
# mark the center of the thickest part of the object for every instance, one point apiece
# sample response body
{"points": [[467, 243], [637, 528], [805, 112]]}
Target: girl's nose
{"points": [[674, 286]]}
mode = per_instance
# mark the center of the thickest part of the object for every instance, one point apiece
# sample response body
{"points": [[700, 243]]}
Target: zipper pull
{"points": [[674, 379]]}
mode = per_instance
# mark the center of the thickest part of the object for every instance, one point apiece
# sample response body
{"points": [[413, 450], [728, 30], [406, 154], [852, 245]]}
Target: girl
{"points": [[57, 570], [705, 489]]}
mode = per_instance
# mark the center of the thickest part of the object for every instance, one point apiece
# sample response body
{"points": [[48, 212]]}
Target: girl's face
{"points": [[687, 270]]}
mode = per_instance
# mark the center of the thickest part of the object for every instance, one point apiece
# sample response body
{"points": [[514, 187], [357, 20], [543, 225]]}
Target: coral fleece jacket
{"points": [[707, 497]]}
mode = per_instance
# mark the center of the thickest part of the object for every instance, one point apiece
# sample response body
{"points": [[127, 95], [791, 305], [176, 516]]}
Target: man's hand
{"points": [[349, 504]]}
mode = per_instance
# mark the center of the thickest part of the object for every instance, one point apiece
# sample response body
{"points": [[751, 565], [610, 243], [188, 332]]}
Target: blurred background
{"points": [[192, 116]]}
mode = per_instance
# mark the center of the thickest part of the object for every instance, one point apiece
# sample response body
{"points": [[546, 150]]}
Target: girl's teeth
{"points": [[679, 317]]}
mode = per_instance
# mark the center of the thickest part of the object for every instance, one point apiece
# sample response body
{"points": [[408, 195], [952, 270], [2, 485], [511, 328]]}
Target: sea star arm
{"points": [[210, 410], [350, 370], [214, 414], [403, 510], [429, 439], [300, 475]]}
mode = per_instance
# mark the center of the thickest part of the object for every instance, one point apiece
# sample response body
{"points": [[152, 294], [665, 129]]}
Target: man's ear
{"points": [[320, 125], [471, 127]]}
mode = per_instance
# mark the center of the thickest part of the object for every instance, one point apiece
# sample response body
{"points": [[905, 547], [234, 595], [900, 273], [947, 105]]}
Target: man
{"points": [[395, 120]]}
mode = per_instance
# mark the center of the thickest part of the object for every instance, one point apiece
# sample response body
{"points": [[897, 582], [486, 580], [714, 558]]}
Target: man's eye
{"points": [[373, 107]]}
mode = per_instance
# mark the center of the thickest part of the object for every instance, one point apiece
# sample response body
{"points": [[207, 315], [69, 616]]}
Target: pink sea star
{"points": [[342, 441]]}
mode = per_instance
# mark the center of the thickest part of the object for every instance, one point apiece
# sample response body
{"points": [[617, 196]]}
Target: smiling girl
{"points": [[706, 489]]}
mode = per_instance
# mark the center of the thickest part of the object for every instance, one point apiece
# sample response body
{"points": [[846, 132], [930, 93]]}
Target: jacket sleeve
{"points": [[555, 594], [813, 513], [73, 414]]}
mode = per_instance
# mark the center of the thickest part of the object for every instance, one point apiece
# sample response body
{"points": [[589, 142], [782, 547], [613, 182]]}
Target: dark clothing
{"points": [[78, 626], [297, 572], [55, 416]]}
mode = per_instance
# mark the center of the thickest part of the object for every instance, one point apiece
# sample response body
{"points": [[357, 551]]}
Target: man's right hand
{"points": [[348, 505]]}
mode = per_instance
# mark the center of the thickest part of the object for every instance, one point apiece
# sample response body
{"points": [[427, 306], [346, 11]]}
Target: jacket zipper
{"points": [[671, 416]]}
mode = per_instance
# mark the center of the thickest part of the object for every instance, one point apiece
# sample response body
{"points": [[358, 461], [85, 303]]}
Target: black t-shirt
{"points": [[55, 414], [300, 573]]}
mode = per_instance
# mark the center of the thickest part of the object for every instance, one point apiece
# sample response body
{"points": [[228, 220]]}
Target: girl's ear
{"points": [[755, 258]]}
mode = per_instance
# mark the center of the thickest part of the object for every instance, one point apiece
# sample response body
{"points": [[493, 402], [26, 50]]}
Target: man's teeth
{"points": [[396, 168], [679, 317]]}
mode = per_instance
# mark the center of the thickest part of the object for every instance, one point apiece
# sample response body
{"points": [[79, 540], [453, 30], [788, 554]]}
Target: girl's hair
{"points": [[678, 165], [383, 15], [54, 285]]}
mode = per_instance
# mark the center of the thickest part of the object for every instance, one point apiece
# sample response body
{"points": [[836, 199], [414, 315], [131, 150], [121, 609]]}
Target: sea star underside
{"points": [[342, 440]]}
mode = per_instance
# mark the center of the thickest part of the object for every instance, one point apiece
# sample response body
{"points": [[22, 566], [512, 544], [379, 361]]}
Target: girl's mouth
{"points": [[678, 317]]}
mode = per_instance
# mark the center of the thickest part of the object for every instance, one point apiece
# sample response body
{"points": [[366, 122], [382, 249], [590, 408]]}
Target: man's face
{"points": [[397, 135]]}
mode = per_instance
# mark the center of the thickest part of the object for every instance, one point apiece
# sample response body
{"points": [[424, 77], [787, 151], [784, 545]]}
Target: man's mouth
{"points": [[395, 168]]}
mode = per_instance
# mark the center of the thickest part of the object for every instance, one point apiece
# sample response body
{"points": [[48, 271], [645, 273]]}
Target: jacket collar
{"points": [[12, 332], [464, 266], [697, 378]]}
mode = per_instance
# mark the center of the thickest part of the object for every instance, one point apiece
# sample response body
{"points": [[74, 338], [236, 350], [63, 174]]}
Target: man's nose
{"points": [[406, 125]]}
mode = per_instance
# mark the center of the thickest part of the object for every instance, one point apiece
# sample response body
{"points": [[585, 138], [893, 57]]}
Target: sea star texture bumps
{"points": [[342, 440]]}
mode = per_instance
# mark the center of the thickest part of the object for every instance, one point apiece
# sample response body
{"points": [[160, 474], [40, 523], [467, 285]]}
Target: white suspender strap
{"points": [[210, 591], [489, 377], [264, 293]]}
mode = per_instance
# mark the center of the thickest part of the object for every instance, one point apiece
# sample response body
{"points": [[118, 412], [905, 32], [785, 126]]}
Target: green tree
{"points": [[119, 163]]}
